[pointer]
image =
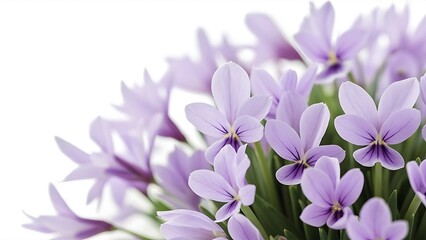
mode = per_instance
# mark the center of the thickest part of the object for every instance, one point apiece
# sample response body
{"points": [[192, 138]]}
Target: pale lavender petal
{"points": [[84, 172], [262, 83], [334, 71], [398, 230], [313, 124], [240, 227], [387, 156], [284, 140], [307, 80], [207, 51], [376, 214], [349, 187], [423, 83], [71, 151], [317, 187], [210, 185], [400, 125], [314, 50], [227, 210], [58, 202], [350, 43], [225, 165], [367, 156], [257, 107], [288, 80], [415, 177], [230, 89], [323, 21], [214, 149], [315, 153], [399, 95], [290, 174], [355, 129], [96, 190], [357, 230], [422, 169], [331, 167], [101, 134], [207, 119], [290, 109], [339, 219], [390, 158], [247, 194], [315, 215], [355, 100], [248, 129]]}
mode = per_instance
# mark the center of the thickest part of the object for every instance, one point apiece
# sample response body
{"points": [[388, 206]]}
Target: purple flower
{"points": [[393, 122], [302, 149], [227, 183], [331, 196], [240, 227], [375, 222], [67, 225], [237, 117], [173, 178], [423, 101], [417, 178], [187, 224], [271, 43], [315, 41]]}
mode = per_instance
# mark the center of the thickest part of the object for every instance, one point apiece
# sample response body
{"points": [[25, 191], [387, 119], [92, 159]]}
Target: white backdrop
{"points": [[61, 63]]}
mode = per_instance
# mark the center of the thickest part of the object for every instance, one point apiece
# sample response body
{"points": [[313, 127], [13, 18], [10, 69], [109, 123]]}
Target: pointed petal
{"points": [[207, 119], [83, 172], [288, 80], [376, 214], [400, 125], [307, 81], [262, 83], [350, 43], [315, 153], [290, 109], [58, 202], [313, 124], [330, 166], [210, 185], [72, 152], [248, 129], [355, 129], [415, 177], [284, 140], [230, 89], [240, 227], [315, 215], [357, 230], [338, 219], [312, 49], [257, 107], [213, 150], [398, 230], [356, 101], [290, 174], [225, 165], [350, 187], [101, 135], [399, 95], [317, 187], [227, 210], [247, 194]]}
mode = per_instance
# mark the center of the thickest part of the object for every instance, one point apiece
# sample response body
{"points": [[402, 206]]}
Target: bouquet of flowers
{"points": [[330, 150]]}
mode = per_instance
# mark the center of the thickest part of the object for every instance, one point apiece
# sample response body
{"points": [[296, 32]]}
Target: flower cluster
{"points": [[333, 154]]}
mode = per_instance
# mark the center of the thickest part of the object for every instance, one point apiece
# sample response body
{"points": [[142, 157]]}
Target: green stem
{"points": [[414, 205], [378, 180], [252, 217], [131, 233]]}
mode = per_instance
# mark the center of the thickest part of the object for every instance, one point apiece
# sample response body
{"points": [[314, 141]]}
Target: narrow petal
{"points": [[225, 164], [315, 215], [355, 129], [290, 174], [101, 135], [356, 101], [339, 219], [288, 80], [400, 125], [313, 124], [247, 194], [415, 178], [312, 49], [399, 95], [307, 80], [331, 167], [315, 153], [423, 82], [207, 119], [230, 89], [240, 227], [317, 187], [350, 43], [210, 185], [248, 129], [398, 230], [257, 107], [422, 169], [290, 109], [284, 140], [350, 187], [58, 202], [262, 83], [227, 210], [376, 214], [357, 230], [214, 149], [71, 151]]}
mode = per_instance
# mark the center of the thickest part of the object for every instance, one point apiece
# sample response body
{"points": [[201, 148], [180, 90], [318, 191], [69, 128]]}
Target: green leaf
{"points": [[393, 204], [322, 234], [289, 235], [411, 226]]}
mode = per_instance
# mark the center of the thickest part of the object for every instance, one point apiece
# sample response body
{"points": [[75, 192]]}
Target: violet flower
{"points": [[66, 225], [173, 178], [187, 224], [302, 149], [331, 196], [237, 117], [417, 178], [393, 122], [240, 227], [227, 183], [423, 101], [375, 222], [315, 41]]}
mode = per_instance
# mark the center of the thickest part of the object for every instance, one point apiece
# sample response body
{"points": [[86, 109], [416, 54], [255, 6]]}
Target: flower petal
{"points": [[227, 210], [312, 49], [290, 174], [350, 187], [262, 83], [240, 227], [248, 129], [290, 109], [225, 164], [350, 43], [247, 194], [58, 202], [230, 89], [315, 215], [72, 152], [307, 80], [338, 219], [357, 230], [210, 185], [315, 153], [400, 125], [284, 140], [257, 107], [313, 124], [355, 129], [398, 230], [207, 119], [317, 187], [213, 150], [331, 167], [101, 135], [376, 214], [415, 177]]}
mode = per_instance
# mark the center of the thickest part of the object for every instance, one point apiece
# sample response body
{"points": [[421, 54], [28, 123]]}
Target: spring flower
{"points": [[240, 227], [315, 41], [417, 177], [423, 101], [331, 196], [227, 183], [237, 117], [375, 222], [302, 149], [66, 225], [393, 122], [187, 224]]}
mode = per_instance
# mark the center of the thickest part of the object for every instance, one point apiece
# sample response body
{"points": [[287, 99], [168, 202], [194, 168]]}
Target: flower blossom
{"points": [[393, 122], [240, 227], [417, 177], [331, 196]]}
